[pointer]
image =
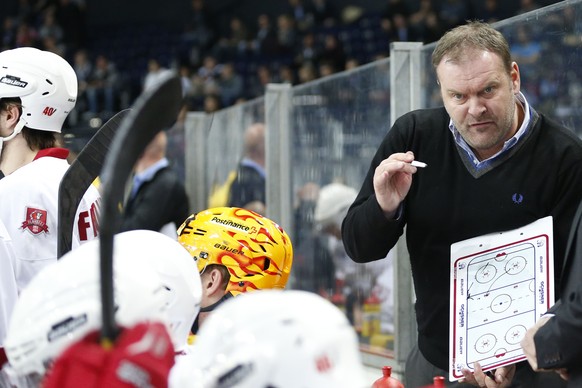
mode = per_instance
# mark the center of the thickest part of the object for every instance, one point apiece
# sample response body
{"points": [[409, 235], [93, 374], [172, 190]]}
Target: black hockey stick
{"points": [[155, 110], [79, 176]]}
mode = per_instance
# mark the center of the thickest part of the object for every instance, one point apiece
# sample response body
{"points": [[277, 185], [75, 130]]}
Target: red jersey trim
{"points": [[55, 152]]}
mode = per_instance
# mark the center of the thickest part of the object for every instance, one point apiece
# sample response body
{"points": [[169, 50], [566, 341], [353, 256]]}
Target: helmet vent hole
{"points": [[267, 264], [45, 93], [48, 81]]}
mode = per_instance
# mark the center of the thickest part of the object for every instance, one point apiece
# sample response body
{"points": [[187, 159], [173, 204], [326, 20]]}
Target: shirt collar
{"points": [[148, 173], [523, 129], [55, 152], [251, 163]]}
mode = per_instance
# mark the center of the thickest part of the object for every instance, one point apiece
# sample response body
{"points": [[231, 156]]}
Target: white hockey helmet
{"points": [[62, 303], [179, 274], [273, 338], [45, 83]]}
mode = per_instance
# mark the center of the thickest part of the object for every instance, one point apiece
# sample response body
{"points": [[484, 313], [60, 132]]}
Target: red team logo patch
{"points": [[35, 221]]}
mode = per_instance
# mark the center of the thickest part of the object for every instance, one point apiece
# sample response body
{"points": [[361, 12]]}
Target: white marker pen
{"points": [[416, 163]]}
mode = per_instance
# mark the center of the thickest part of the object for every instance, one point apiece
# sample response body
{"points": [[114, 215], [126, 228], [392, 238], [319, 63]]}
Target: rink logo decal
{"points": [[13, 81], [49, 111], [66, 326], [35, 221]]}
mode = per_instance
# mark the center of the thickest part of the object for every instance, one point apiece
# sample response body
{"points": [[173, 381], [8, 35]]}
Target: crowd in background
{"points": [[224, 59]]}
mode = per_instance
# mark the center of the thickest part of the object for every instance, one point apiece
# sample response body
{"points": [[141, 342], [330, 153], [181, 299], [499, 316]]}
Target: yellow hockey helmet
{"points": [[256, 251]]}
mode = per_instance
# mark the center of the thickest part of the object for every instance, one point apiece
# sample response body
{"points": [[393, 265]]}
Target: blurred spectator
{"points": [[333, 52], [308, 51], [198, 32], [207, 75], [248, 189], [265, 41], [394, 7], [102, 88], [26, 36], [235, 42], [230, 85], [526, 51], [491, 11], [286, 34], [71, 17], [8, 34], [301, 14], [307, 73], [527, 6], [50, 28], [454, 12], [259, 83], [49, 43], [212, 103], [154, 74], [158, 199], [287, 75], [324, 13]]}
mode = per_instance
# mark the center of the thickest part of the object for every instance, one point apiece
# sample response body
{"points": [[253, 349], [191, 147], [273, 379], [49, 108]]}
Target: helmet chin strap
{"points": [[17, 129], [206, 309]]}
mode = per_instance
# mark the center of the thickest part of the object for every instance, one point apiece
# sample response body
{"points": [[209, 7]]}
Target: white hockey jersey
{"points": [[8, 289], [28, 208]]}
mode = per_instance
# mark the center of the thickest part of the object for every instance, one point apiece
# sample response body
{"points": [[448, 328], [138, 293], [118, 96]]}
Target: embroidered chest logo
{"points": [[517, 198], [35, 221]]}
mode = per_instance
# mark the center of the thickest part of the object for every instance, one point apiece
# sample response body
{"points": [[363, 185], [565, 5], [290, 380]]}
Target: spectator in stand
{"points": [[287, 75], [301, 14], [26, 36], [333, 52], [83, 68], [50, 28], [527, 6], [102, 86], [230, 85], [158, 199], [265, 41], [259, 84], [212, 103], [248, 189], [235, 42], [155, 72], [286, 34], [71, 17], [308, 51], [394, 7], [307, 73], [8, 33], [454, 13], [324, 13]]}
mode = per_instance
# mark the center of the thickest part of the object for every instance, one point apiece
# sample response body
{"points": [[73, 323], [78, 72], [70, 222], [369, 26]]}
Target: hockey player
{"points": [[155, 279], [38, 89], [273, 338], [237, 250]]}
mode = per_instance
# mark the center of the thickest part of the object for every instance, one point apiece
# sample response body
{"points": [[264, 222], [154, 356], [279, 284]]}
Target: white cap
{"points": [[333, 203]]}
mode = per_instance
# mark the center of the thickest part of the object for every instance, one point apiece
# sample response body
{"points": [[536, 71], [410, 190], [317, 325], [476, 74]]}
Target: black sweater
{"points": [[449, 201]]}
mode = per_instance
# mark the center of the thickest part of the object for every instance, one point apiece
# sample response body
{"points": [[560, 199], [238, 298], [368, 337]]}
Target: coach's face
{"points": [[479, 96]]}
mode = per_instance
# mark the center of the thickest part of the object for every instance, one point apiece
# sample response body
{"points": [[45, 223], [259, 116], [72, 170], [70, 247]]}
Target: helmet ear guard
{"points": [[255, 250]]}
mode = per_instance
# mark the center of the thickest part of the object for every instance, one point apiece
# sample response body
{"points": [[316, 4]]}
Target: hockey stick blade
{"points": [[79, 176], [154, 110]]}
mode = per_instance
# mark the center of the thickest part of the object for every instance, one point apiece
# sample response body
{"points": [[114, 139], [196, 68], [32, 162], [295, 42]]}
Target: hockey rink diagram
{"points": [[498, 293]]}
